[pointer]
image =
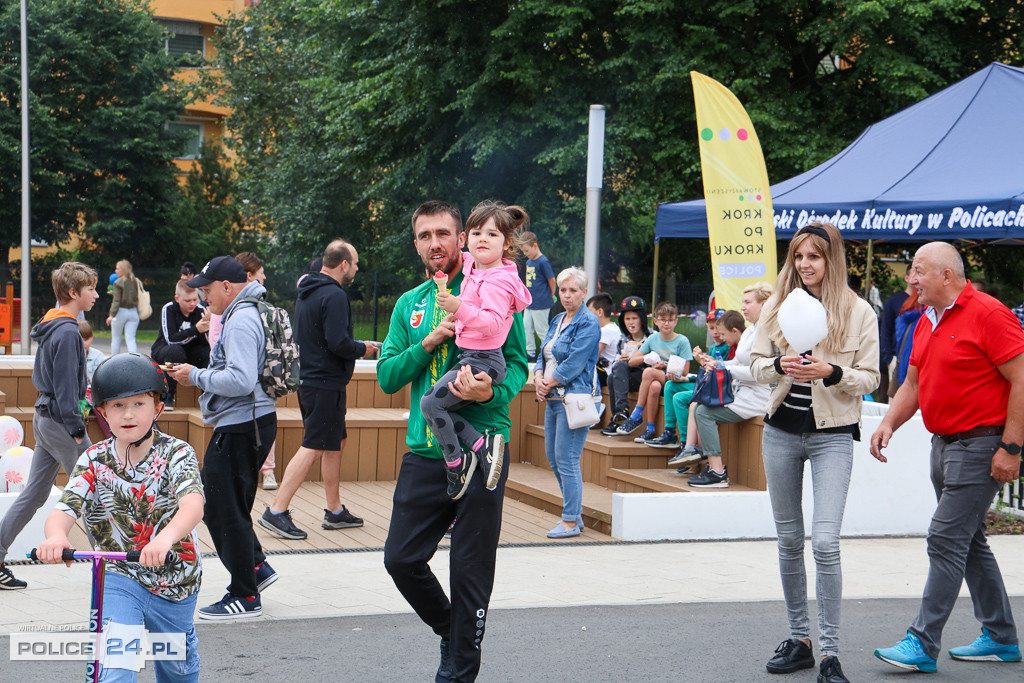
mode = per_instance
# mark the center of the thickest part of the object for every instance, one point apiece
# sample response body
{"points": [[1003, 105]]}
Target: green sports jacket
{"points": [[404, 361]]}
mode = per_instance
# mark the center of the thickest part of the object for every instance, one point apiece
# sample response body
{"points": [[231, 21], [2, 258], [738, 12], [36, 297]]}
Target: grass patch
{"points": [[148, 336]]}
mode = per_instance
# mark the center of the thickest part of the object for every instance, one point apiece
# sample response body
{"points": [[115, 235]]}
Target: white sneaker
{"points": [[269, 481]]}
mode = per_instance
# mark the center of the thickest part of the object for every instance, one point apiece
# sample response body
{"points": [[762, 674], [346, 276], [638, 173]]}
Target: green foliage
{"points": [[206, 218], [349, 113], [101, 91]]}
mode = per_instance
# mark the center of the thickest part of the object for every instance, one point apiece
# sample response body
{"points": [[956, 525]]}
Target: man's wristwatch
{"points": [[1011, 448]]}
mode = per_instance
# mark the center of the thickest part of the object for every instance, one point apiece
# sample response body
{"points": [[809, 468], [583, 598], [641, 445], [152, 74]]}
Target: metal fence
{"points": [[1011, 498]]}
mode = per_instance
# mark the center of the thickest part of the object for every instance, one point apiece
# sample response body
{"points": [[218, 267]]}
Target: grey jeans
{"points": [[958, 547], [708, 418], [440, 406], [831, 458], [54, 448]]}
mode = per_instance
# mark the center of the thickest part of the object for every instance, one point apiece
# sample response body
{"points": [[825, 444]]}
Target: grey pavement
{"points": [[706, 611]]}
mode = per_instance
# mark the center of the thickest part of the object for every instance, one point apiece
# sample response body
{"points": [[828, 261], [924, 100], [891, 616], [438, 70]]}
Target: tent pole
{"points": [[867, 270], [654, 284]]}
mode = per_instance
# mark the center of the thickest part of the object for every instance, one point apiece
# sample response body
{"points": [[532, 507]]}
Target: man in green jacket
{"points": [[419, 349]]}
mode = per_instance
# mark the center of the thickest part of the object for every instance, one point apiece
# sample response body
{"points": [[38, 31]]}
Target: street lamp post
{"points": [[26, 237]]}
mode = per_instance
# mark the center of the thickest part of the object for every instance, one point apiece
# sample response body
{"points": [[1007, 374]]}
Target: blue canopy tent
{"points": [[949, 167]]}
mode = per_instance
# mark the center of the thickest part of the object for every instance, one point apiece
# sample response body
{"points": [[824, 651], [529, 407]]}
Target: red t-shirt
{"points": [[959, 384]]}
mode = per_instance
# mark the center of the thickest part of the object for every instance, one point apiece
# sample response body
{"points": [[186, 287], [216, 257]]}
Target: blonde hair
{"points": [[85, 329], [126, 268], [836, 295], [762, 290], [72, 276], [574, 272], [182, 288]]}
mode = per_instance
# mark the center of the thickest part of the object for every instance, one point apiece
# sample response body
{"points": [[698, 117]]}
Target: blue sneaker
{"points": [[687, 454], [628, 427], [984, 649], [908, 654], [648, 435]]}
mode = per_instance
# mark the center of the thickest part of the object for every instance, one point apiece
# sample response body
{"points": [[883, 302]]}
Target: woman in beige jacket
{"points": [[813, 416]]}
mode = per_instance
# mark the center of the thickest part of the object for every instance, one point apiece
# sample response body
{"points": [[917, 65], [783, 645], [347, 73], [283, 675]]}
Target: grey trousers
{"points": [[440, 406], [957, 546], [708, 418], [623, 379], [831, 459], [54, 448]]}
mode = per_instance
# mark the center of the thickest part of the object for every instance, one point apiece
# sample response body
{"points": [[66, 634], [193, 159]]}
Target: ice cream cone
{"points": [[441, 280]]}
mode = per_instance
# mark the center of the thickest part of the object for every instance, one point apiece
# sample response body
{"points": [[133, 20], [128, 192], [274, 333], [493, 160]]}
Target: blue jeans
{"points": [[957, 546], [831, 458], [126, 602], [127, 321], [564, 447]]}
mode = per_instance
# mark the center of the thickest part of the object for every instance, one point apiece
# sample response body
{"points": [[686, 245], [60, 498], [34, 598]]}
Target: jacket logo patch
{"points": [[416, 318]]}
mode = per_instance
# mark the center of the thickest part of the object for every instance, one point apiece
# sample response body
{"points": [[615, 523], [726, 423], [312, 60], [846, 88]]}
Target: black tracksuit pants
{"points": [[231, 469], [421, 514]]}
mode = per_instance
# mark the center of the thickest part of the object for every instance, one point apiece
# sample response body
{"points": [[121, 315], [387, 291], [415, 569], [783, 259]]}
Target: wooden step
{"points": [[659, 481], [537, 487], [602, 453]]}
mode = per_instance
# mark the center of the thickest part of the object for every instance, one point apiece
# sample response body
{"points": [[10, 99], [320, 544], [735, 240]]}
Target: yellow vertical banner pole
{"points": [[741, 229]]}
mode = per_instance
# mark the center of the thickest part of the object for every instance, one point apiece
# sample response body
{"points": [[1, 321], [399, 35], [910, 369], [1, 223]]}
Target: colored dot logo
{"points": [[724, 134], [750, 197]]}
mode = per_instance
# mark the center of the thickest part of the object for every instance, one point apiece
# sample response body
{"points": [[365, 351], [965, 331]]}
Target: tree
{"points": [[101, 92], [206, 216], [368, 108]]}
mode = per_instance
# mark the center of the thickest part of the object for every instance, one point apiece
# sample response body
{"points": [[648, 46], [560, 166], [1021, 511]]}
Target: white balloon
{"points": [[15, 466], [803, 320], [11, 433]]}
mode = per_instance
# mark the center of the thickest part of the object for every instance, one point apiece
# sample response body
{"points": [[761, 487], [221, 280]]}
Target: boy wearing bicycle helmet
{"points": [[138, 490]]}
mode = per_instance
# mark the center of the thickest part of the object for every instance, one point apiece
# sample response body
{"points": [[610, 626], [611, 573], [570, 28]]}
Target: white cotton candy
{"points": [[803, 320]]}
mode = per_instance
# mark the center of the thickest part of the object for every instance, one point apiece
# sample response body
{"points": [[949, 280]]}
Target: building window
{"points": [[184, 39], [192, 138]]}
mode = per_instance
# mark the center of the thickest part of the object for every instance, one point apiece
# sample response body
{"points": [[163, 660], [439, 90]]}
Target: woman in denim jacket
{"points": [[566, 365]]}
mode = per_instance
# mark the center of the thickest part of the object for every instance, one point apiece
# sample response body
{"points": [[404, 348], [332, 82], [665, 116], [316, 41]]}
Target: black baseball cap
{"points": [[217, 270]]}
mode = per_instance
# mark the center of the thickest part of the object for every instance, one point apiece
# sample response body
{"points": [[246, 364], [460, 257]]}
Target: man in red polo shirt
{"points": [[967, 376]]}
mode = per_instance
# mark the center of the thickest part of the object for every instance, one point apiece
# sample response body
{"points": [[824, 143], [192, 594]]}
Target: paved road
{"points": [[713, 642]]}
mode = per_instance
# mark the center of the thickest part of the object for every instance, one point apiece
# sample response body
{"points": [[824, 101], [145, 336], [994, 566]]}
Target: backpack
{"points": [[280, 373]]}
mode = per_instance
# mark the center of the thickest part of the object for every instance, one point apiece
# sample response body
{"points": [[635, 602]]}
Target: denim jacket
{"points": [[576, 351]]}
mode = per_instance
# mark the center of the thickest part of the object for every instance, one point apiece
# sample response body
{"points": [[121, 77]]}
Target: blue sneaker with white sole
{"points": [[908, 654], [984, 649]]}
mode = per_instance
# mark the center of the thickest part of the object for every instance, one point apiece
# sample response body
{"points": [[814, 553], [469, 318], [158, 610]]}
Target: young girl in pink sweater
{"points": [[491, 293]]}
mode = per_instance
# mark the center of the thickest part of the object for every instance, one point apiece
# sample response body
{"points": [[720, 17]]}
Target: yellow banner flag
{"points": [[736, 192]]}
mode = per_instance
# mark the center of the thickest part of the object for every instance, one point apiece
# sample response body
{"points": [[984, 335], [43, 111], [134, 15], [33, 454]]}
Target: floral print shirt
{"points": [[123, 510]]}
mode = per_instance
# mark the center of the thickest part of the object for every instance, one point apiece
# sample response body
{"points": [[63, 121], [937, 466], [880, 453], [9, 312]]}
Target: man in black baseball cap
{"points": [[220, 269], [244, 420]]}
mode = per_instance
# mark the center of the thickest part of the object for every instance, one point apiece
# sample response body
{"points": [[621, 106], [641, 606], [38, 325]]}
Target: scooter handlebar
{"points": [[70, 554]]}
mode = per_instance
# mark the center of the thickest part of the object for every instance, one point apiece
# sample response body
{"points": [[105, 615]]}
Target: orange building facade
{"points": [[191, 24]]}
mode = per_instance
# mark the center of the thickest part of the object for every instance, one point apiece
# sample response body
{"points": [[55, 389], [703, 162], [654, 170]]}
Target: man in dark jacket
{"points": [[328, 353], [182, 335], [888, 345], [59, 376]]}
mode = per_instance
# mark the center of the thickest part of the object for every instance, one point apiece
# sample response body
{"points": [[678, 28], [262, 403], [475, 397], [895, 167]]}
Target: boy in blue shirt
{"points": [[540, 280], [665, 344]]}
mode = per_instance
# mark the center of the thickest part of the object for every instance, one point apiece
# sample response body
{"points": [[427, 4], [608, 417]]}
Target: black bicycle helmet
{"points": [[127, 374], [632, 303]]}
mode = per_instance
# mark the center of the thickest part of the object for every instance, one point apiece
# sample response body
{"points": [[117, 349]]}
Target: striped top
{"points": [[796, 414]]}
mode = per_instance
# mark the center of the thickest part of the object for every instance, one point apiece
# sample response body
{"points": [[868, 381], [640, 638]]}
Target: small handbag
{"points": [[714, 388], [581, 410]]}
